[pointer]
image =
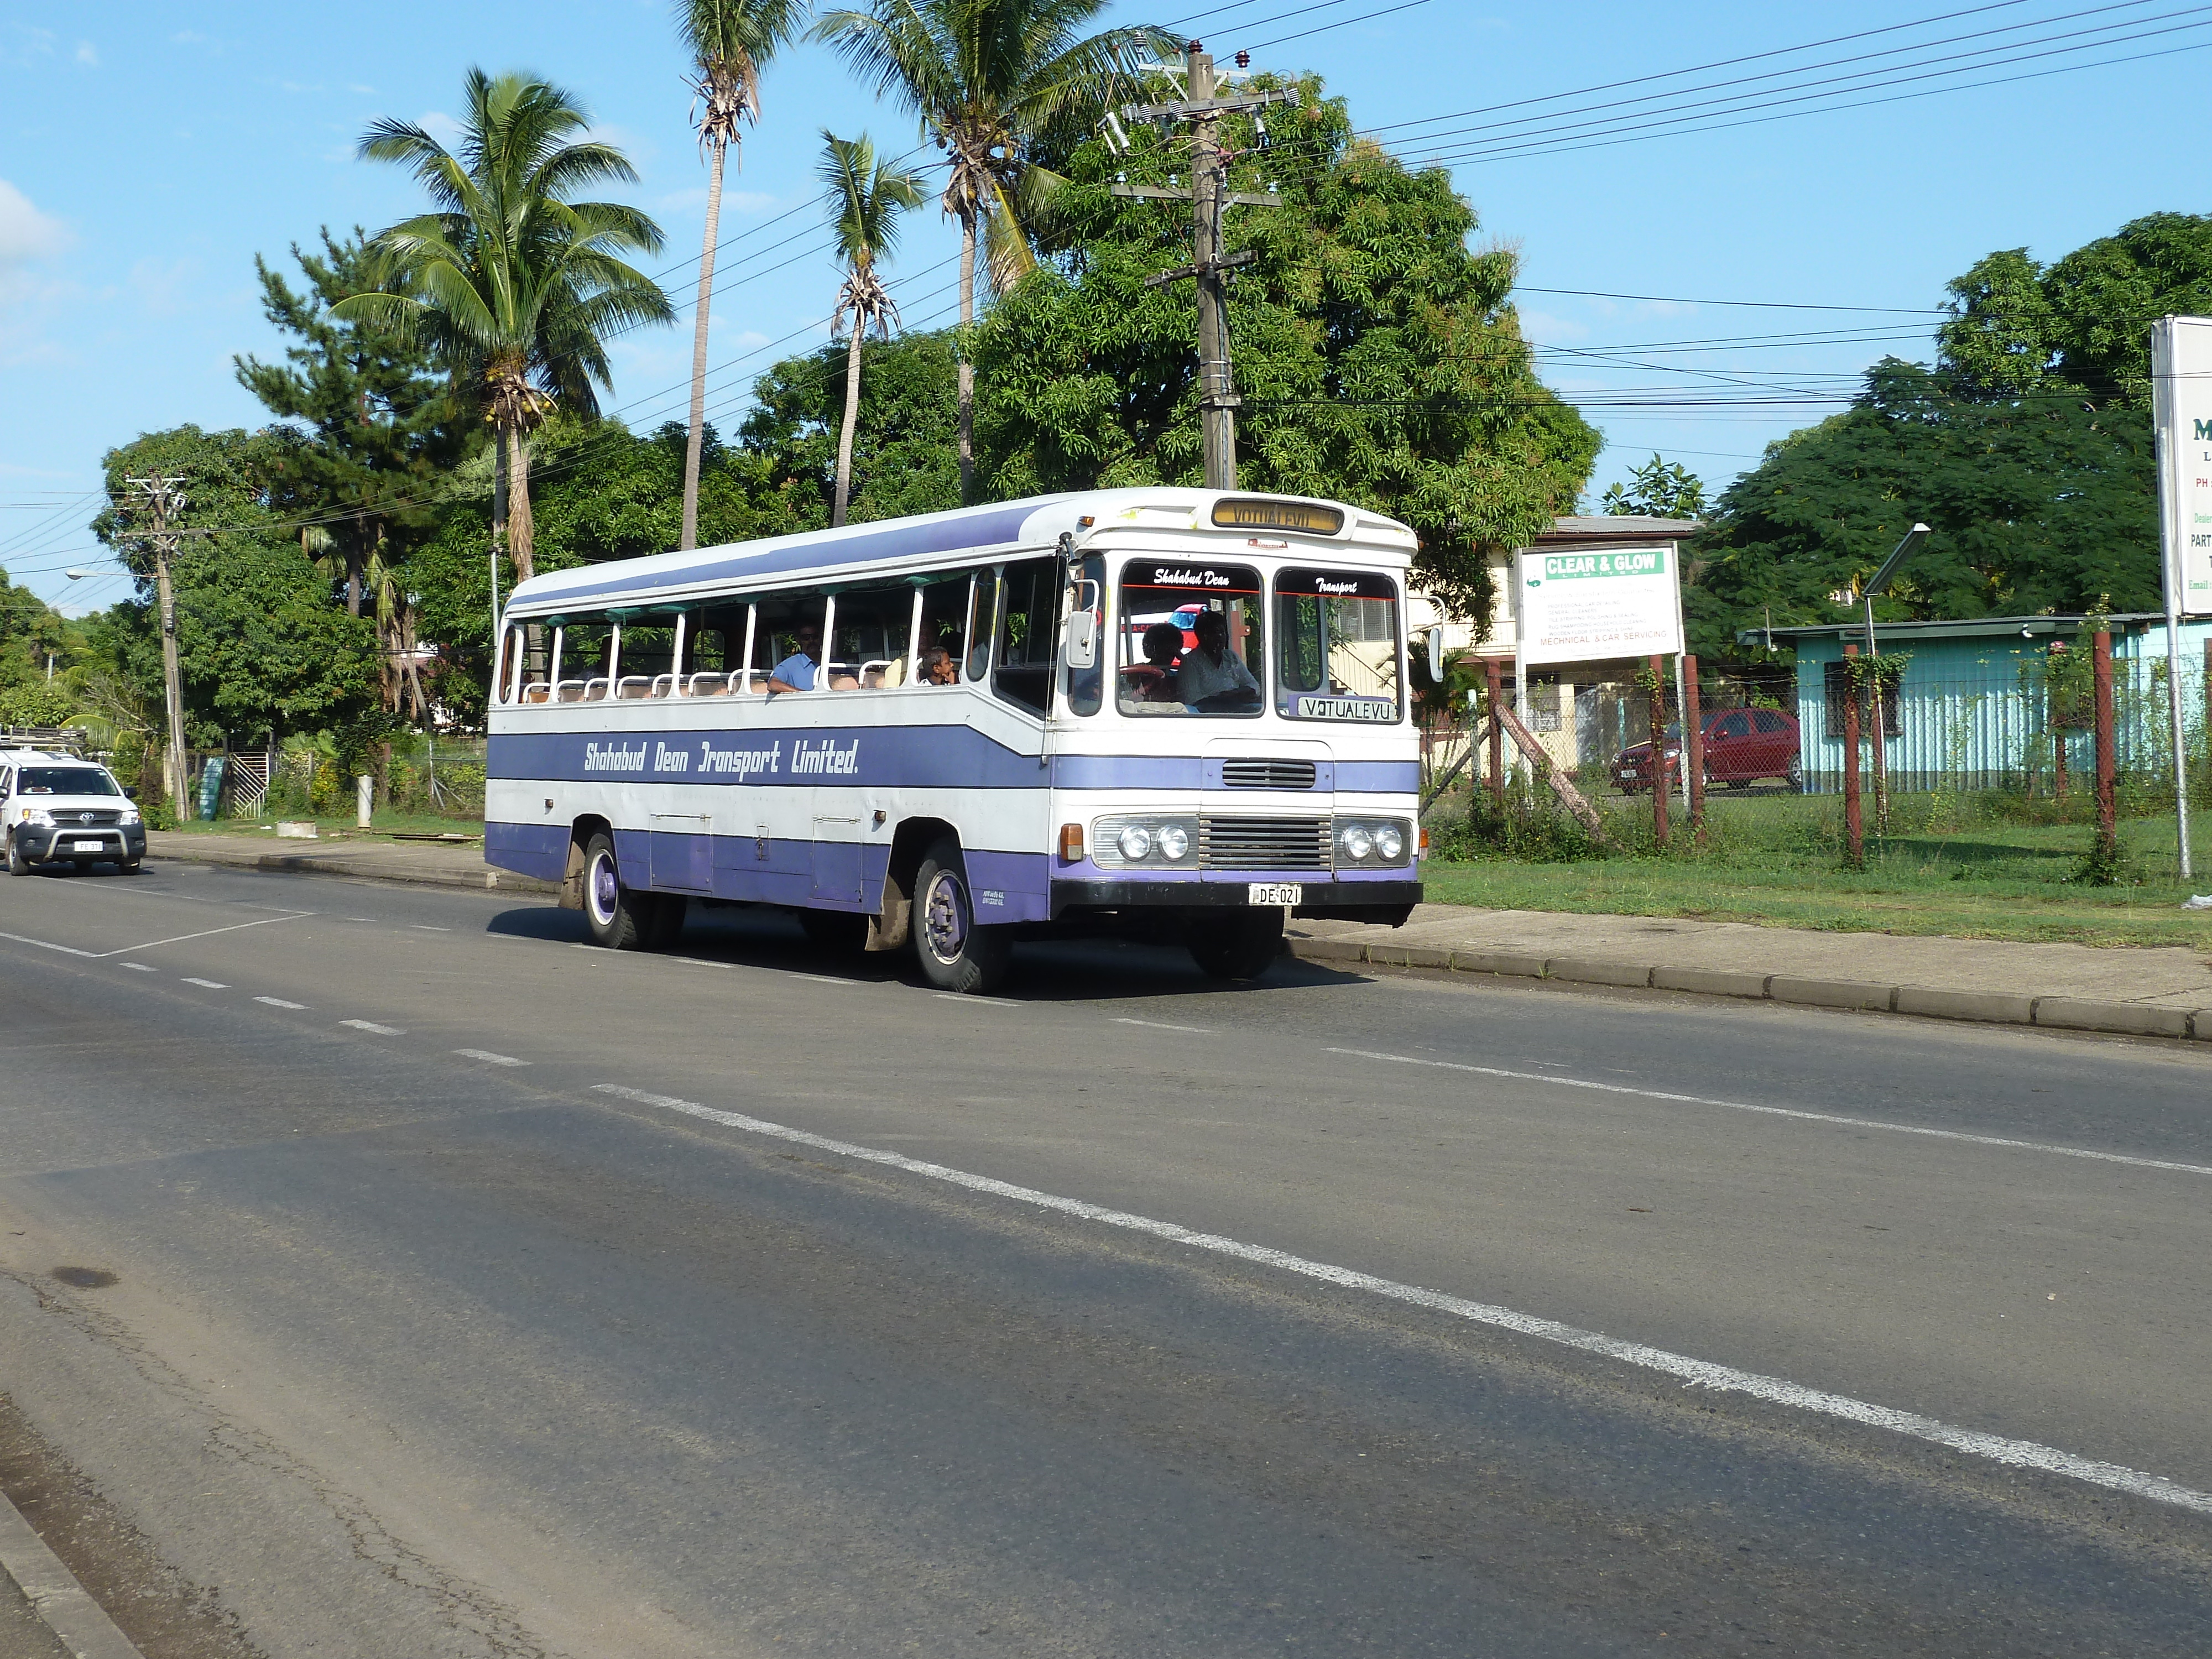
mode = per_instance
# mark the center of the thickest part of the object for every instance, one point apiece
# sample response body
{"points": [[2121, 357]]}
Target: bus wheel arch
{"points": [[572, 878], [892, 925]]}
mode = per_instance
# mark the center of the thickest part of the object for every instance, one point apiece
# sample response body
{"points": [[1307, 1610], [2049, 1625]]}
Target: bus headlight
{"points": [[1358, 841], [1389, 841], [1174, 841], [1372, 841], [1135, 842], [1127, 838]]}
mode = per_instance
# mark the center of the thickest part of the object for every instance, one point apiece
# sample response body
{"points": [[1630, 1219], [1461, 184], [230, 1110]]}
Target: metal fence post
{"points": [[1659, 779], [2101, 667], [1693, 745]]}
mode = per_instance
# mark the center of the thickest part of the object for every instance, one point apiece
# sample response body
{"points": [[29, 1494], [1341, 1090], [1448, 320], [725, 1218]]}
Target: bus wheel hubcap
{"points": [[603, 889], [946, 919]]}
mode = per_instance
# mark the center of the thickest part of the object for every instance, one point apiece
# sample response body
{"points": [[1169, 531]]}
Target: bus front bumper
{"points": [[1385, 903]]}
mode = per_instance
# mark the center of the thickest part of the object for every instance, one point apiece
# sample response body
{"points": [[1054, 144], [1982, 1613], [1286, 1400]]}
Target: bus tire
{"points": [[618, 917], [1239, 944], [955, 953]]}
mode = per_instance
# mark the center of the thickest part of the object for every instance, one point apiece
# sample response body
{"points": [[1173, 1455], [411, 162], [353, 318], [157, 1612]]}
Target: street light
{"points": [[1913, 537]]}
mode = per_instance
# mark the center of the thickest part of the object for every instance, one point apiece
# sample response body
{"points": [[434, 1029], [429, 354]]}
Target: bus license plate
{"points": [[1275, 892], [95, 847]]}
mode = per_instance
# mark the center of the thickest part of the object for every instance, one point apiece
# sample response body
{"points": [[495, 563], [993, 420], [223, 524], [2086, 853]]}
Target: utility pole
{"points": [[1209, 195], [165, 499]]}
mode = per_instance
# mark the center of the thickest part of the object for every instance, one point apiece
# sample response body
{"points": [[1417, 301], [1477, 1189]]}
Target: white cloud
{"points": [[1545, 329], [157, 284], [25, 233], [366, 91], [442, 126], [87, 53]]}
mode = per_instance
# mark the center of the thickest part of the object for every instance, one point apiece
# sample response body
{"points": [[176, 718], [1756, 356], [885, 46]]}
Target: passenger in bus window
{"points": [[796, 671], [937, 667], [1163, 640]]}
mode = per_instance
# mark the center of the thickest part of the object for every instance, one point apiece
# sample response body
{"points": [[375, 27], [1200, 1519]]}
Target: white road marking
{"points": [[210, 932], [819, 978], [988, 1002], [1694, 1373], [490, 1058], [48, 944], [1787, 1111], [371, 1026], [142, 967], [279, 1002], [1161, 1025], [210, 984], [425, 927]]}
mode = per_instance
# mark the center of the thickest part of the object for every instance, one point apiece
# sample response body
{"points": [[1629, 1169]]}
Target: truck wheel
{"points": [[618, 916], [17, 864], [1240, 944], [955, 953]]}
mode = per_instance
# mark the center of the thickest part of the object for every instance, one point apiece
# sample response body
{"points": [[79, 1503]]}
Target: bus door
{"points": [[683, 852]]}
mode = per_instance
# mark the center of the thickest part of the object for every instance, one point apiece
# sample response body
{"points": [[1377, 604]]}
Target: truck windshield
{"points": [[1189, 639], [1337, 645], [66, 780]]}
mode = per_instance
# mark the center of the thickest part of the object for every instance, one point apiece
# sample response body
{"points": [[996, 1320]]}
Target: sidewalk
{"points": [[2136, 992]]}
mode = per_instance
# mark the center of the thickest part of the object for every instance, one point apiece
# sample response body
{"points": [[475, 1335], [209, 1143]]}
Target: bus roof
{"points": [[857, 549]]}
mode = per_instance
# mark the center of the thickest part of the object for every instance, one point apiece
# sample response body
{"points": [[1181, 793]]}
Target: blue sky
{"points": [[148, 152]]}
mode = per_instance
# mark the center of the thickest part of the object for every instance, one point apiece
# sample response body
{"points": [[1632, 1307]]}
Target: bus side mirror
{"points": [[1436, 641], [1082, 648]]}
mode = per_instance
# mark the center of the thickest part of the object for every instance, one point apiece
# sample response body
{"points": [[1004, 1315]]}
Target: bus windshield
{"points": [[1190, 639], [1337, 634]]}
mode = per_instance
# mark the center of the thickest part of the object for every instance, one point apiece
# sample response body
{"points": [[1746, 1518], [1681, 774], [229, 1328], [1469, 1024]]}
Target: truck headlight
{"points": [[39, 816]]}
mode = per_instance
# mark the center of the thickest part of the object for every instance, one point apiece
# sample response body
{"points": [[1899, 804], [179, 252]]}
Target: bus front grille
{"points": [[1267, 774], [1263, 843]]}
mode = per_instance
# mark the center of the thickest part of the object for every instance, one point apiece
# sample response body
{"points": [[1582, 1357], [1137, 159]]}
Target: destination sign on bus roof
{"points": [[1255, 512], [1213, 578]]}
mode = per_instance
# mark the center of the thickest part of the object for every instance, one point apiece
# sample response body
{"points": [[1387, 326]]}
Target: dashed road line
{"points": [[372, 1027], [279, 1002], [1161, 1025], [1693, 1372], [490, 1058], [140, 967], [955, 996], [1837, 1118], [206, 984], [425, 927]]}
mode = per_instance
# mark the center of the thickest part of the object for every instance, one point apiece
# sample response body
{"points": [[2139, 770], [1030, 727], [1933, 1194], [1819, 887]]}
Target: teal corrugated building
{"points": [[1971, 711]]}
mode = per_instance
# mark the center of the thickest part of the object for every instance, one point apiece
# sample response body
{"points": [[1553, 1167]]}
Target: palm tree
{"points": [[730, 42], [989, 79], [864, 197], [516, 285]]}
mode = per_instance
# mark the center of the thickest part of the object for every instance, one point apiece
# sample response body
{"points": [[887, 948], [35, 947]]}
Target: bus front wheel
{"points": [[955, 953], [620, 918]]}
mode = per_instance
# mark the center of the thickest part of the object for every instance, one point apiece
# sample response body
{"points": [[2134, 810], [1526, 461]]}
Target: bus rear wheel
{"points": [[619, 918], [955, 953], [1239, 945]]}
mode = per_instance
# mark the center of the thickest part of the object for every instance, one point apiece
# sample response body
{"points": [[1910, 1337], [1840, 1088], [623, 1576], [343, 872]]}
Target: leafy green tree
{"points": [[2038, 504], [373, 419], [2082, 325], [903, 452], [993, 82], [864, 197], [1658, 490], [515, 284], [262, 649], [730, 42], [1378, 355]]}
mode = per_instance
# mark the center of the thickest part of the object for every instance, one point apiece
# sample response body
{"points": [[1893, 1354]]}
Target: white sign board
{"points": [[2181, 408], [1599, 602]]}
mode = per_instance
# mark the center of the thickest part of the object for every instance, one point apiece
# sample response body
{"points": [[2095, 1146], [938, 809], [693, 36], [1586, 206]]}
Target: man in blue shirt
{"points": [[796, 671]]}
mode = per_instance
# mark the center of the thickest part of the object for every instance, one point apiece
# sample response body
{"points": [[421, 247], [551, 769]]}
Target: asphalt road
{"points": [[477, 1292]]}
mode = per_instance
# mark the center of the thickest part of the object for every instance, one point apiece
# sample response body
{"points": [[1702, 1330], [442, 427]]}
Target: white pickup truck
{"points": [[57, 809]]}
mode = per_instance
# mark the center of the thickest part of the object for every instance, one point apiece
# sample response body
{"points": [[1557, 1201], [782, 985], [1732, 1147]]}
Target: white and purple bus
{"points": [[1174, 713]]}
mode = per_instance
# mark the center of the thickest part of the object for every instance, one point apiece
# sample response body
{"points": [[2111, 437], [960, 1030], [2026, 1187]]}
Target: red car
{"points": [[1742, 746]]}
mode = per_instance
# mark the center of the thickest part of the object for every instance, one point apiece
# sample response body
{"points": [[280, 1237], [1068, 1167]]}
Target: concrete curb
{"points": [[81, 1623], [1863, 996], [306, 864]]}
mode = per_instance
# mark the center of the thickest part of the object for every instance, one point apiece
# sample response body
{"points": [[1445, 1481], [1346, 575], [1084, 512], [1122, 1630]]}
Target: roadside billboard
{"points": [[1592, 604], [2181, 409]]}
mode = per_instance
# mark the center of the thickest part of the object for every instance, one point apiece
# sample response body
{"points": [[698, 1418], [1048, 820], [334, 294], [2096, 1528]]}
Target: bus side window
{"points": [[1030, 610], [944, 608]]}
